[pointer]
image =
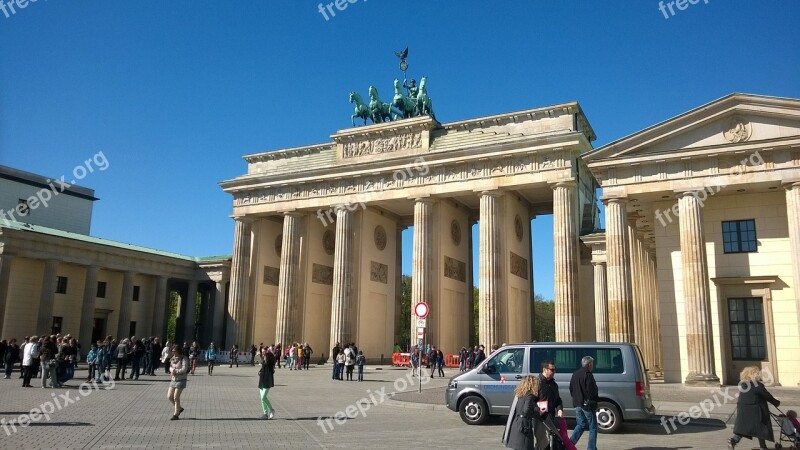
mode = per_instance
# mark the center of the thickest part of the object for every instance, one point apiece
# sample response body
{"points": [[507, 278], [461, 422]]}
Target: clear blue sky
{"points": [[174, 93]]}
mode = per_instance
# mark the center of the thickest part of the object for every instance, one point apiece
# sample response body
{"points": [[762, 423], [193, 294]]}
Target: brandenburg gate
{"points": [[317, 247]]}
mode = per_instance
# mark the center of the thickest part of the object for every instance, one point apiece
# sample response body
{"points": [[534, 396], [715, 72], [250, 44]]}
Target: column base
{"points": [[702, 380]]}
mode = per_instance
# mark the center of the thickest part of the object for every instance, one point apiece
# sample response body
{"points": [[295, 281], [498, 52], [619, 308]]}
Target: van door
{"points": [[499, 377]]}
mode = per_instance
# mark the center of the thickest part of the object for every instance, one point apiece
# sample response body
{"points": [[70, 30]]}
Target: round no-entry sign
{"points": [[421, 310]]}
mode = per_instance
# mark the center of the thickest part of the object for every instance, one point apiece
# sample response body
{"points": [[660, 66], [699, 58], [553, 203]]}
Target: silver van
{"points": [[618, 369]]}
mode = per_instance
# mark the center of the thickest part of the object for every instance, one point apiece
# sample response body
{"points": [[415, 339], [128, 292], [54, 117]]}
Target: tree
{"points": [[403, 334], [544, 312]]}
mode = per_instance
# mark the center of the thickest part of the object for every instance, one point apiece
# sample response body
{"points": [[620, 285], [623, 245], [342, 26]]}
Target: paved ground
{"points": [[223, 410]]}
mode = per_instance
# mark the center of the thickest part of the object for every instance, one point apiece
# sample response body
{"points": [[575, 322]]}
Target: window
{"points": [[739, 236], [568, 359], [507, 361], [747, 328], [101, 289], [133, 329], [135, 294], [56, 328], [23, 208], [61, 285]]}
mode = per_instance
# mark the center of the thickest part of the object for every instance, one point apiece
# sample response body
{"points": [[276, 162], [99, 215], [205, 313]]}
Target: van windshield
{"points": [[568, 359], [509, 360]]}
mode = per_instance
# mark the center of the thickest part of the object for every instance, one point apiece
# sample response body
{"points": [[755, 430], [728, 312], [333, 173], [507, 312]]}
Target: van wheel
{"points": [[473, 410], [609, 419]]}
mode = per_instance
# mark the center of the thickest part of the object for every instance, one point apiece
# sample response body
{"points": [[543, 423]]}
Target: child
{"points": [[360, 360], [792, 415], [91, 359]]}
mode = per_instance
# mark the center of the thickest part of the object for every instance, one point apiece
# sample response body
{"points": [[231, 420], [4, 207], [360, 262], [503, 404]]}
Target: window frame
{"points": [[61, 284], [740, 235], [747, 323]]}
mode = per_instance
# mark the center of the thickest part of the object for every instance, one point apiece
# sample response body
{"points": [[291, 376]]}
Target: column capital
{"points": [[243, 219], [791, 184], [430, 200], [616, 199], [688, 193], [563, 183]]}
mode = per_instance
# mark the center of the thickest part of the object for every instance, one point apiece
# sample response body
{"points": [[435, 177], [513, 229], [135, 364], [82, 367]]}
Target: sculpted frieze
{"points": [[463, 171], [377, 146]]}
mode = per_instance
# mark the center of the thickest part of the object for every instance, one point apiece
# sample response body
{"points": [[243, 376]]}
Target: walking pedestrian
{"points": [[583, 389], [752, 418], [523, 417], [360, 360], [266, 381], [211, 357], [178, 368], [234, 356], [166, 354]]}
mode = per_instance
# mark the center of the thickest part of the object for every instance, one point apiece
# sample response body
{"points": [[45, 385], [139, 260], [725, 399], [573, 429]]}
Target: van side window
{"points": [[568, 359], [509, 360]]}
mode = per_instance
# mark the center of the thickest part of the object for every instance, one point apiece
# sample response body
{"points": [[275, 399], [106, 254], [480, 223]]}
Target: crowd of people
{"points": [[54, 358]]}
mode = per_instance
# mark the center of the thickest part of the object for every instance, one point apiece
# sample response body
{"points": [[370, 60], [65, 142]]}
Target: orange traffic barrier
{"points": [[451, 361]]}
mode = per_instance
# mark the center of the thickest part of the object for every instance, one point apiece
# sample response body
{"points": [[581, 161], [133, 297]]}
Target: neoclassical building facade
{"points": [[56, 278], [702, 240], [317, 253]]}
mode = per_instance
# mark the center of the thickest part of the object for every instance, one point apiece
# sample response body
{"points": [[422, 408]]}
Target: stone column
{"points": [[5, 279], [566, 261], [219, 312], [620, 301], [191, 312], [422, 260], [125, 305], [160, 308], [342, 299], [490, 268], [87, 307], [696, 296], [652, 319], [793, 213], [44, 321], [600, 302], [240, 281], [637, 275], [288, 277]]}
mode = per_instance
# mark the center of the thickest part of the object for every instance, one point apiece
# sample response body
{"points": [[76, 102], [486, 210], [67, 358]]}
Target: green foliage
{"points": [[544, 312], [473, 340], [403, 333], [174, 300]]}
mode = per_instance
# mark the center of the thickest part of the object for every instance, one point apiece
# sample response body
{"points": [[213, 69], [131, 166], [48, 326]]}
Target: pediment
{"points": [[732, 121]]}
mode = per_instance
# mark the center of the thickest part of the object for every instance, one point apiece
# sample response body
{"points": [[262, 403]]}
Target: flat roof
{"points": [[39, 181]]}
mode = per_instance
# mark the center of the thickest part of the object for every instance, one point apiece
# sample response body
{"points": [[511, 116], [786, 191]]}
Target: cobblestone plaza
{"points": [[222, 411]]}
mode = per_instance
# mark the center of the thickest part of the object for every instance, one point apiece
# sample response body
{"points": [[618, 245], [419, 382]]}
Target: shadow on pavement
{"points": [[60, 424]]}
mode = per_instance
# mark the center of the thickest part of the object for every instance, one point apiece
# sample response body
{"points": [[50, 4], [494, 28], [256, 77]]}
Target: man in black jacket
{"points": [[583, 389]]}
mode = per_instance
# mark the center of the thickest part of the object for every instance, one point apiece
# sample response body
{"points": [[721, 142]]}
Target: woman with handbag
{"points": [[266, 380], [523, 415]]}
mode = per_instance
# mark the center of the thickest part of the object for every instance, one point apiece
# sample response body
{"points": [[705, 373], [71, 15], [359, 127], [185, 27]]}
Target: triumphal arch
{"points": [[317, 248]]}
